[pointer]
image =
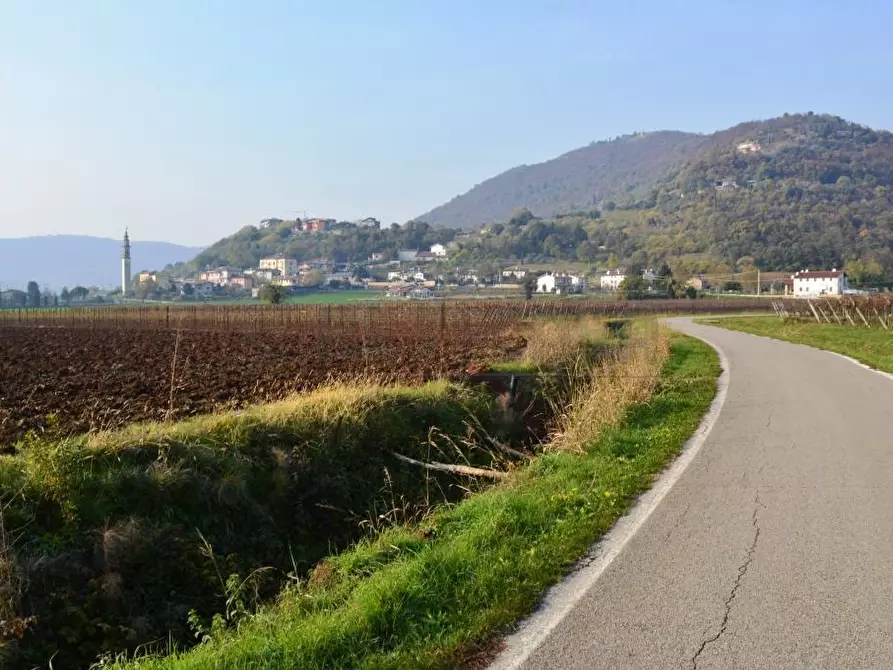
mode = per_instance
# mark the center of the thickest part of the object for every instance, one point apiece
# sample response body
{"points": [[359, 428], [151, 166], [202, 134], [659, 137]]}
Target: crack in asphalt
{"points": [[742, 571], [679, 521]]}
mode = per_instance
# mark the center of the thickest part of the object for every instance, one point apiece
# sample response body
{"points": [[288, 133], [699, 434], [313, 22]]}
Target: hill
{"points": [[345, 243], [621, 170], [802, 190], [70, 260], [628, 168], [796, 191]]}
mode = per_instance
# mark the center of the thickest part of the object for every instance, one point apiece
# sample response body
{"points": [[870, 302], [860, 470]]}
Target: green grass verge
{"points": [[107, 529], [425, 597], [872, 347]]}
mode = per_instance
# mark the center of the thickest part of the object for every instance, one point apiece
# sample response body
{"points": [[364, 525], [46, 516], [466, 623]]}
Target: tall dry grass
{"points": [[561, 342], [622, 378]]}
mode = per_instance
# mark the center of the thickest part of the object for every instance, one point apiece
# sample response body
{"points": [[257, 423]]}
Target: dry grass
{"points": [[557, 342], [619, 380], [324, 404]]}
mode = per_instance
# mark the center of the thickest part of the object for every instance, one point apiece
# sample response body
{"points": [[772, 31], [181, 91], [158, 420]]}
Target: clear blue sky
{"points": [[187, 119]]}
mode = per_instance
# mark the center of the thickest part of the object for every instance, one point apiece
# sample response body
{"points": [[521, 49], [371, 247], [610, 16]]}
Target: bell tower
{"points": [[126, 289]]}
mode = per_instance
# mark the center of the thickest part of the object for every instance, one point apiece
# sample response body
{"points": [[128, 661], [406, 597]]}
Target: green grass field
{"points": [[873, 347], [431, 596]]}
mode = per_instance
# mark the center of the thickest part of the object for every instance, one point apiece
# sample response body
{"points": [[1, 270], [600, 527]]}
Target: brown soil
{"points": [[82, 380]]}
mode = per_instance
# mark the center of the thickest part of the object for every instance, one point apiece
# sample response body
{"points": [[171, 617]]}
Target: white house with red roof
{"points": [[817, 283]]}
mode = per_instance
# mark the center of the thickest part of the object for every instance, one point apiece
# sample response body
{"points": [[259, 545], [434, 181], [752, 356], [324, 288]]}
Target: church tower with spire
{"points": [[126, 288]]}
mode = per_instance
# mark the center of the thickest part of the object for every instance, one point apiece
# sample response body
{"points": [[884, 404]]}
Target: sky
{"points": [[188, 119]]}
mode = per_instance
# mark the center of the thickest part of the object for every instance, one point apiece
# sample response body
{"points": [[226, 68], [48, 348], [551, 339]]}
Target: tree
{"points": [[65, 295], [272, 293], [521, 216], [33, 292], [732, 286], [79, 293], [634, 287], [864, 272], [529, 286], [145, 289], [313, 279], [188, 290], [586, 251]]}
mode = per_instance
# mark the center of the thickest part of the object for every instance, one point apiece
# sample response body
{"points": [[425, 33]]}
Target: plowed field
{"points": [[80, 380]]}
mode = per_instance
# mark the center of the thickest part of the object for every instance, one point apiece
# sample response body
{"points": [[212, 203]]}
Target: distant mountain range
{"points": [[70, 260]]}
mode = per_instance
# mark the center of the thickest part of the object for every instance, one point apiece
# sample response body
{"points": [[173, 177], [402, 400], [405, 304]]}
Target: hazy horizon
{"points": [[188, 122]]}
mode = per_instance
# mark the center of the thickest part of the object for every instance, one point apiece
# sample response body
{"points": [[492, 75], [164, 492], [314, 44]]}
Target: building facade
{"points": [[287, 267], [611, 280], [819, 283]]}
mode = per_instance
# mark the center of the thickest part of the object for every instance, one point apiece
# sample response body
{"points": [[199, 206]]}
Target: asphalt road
{"points": [[774, 550]]}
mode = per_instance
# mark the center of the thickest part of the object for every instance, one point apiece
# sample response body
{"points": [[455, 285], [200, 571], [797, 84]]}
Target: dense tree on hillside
{"points": [[342, 245], [33, 293]]}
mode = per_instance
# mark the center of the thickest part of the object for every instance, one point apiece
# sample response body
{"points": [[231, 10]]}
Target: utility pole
{"points": [[758, 282]]}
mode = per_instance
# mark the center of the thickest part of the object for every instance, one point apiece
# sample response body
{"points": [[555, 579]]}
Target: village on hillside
{"points": [[418, 274]]}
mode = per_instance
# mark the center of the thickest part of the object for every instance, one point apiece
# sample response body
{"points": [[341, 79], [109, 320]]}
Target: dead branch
{"points": [[452, 469]]}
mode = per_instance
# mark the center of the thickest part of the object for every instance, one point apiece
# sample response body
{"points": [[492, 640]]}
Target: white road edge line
{"points": [[564, 596], [859, 363]]}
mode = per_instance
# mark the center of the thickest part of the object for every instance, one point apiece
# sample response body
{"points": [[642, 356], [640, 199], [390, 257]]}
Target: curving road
{"points": [[773, 550]]}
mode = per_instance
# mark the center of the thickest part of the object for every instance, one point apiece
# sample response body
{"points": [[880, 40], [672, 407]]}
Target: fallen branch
{"points": [[452, 469], [506, 449]]}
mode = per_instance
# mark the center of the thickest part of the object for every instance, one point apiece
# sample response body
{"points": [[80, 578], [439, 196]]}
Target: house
{"points": [[748, 148], [242, 282], [262, 276], [376, 257], [611, 280], [725, 185], [555, 283], [698, 283], [812, 284], [438, 250], [514, 273], [369, 222], [202, 289], [287, 267], [397, 276], [220, 276], [407, 256], [148, 276], [410, 293], [340, 276], [317, 225]]}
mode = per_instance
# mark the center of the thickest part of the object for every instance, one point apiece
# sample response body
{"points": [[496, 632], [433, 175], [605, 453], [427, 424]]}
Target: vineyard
{"points": [[76, 370], [864, 312]]}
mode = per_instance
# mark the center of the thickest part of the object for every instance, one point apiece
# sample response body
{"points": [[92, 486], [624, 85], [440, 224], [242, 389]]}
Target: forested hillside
{"points": [[806, 190], [621, 170], [345, 243]]}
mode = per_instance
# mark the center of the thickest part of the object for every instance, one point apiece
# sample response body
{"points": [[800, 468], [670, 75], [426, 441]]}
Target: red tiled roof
{"points": [[819, 274]]}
